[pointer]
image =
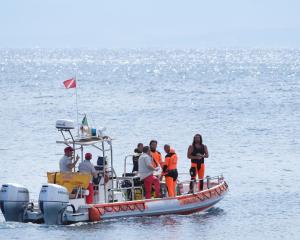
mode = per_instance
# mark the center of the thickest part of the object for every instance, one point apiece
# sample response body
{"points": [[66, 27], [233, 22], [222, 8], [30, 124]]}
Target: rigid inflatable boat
{"points": [[63, 199]]}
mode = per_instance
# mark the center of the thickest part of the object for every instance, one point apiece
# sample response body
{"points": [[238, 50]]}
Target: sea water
{"points": [[245, 103]]}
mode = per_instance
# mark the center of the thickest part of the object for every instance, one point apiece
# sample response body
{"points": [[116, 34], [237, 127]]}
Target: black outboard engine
{"points": [[14, 199], [53, 201]]}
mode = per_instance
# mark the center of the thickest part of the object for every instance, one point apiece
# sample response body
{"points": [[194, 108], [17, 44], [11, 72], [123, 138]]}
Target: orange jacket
{"points": [[170, 161], [156, 156]]}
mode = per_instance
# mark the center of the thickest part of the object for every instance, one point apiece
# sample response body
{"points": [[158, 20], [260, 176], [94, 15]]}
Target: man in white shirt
{"points": [[146, 170], [65, 163], [87, 167]]}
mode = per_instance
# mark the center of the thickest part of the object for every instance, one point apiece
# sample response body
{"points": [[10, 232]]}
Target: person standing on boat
{"points": [[135, 159], [156, 156], [146, 170], [87, 167], [170, 170], [197, 152], [65, 163]]}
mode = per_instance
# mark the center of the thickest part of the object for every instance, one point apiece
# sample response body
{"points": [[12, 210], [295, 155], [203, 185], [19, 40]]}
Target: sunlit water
{"points": [[245, 103]]}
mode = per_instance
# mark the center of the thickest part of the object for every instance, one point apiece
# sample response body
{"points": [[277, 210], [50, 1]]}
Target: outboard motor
{"points": [[14, 199], [53, 201]]}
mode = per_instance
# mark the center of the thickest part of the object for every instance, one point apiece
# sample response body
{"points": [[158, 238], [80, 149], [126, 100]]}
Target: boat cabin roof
{"points": [[86, 141]]}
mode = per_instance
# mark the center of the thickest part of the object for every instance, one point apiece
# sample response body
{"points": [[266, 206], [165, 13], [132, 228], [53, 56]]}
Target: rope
{"points": [[219, 193], [118, 208], [206, 195], [142, 209], [198, 196]]}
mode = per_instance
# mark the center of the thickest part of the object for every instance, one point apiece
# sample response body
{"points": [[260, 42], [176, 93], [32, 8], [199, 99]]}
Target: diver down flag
{"points": [[70, 83]]}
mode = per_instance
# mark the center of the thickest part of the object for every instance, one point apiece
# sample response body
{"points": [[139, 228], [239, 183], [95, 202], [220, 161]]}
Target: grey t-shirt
{"points": [[63, 164], [86, 167], [144, 170]]}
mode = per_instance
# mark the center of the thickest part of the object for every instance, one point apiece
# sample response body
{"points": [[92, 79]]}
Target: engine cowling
{"points": [[14, 199], [53, 201]]}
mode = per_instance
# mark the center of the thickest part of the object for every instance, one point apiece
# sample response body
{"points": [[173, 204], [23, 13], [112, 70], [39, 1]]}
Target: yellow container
{"points": [[69, 180], [138, 194]]}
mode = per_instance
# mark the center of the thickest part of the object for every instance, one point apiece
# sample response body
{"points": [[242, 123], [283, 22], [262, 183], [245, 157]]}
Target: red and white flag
{"points": [[70, 83]]}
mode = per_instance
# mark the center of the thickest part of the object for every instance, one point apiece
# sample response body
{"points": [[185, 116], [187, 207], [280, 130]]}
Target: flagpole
{"points": [[77, 106]]}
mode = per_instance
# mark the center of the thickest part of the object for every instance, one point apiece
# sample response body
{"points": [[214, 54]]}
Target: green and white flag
{"points": [[84, 121]]}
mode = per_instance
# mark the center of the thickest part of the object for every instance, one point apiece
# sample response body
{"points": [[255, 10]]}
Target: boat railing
{"points": [[125, 162], [133, 189], [207, 178], [208, 181]]}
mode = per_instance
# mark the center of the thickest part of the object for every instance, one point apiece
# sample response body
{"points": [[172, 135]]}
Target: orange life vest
{"points": [[156, 156], [171, 160]]}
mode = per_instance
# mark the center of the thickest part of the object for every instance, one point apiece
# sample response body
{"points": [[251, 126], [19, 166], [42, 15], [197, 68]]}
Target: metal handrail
{"points": [[206, 180], [132, 192], [131, 179], [219, 177], [125, 161]]}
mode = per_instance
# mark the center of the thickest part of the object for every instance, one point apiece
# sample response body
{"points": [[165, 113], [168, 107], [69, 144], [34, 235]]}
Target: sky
{"points": [[149, 23]]}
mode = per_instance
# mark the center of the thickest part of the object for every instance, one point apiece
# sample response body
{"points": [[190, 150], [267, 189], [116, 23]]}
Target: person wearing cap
{"points": [[65, 163], [87, 167]]}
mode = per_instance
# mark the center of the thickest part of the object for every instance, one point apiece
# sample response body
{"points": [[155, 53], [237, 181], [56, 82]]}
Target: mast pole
{"points": [[76, 106]]}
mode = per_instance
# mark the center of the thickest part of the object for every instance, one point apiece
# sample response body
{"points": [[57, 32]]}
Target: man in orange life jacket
{"points": [[170, 170], [197, 152], [156, 156]]}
